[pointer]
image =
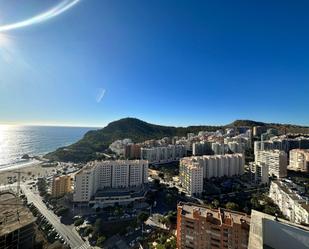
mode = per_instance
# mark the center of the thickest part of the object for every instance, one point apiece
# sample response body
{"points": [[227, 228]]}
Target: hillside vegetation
{"points": [[97, 141]]}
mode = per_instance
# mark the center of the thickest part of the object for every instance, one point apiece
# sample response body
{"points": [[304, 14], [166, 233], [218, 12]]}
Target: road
{"points": [[68, 234]]}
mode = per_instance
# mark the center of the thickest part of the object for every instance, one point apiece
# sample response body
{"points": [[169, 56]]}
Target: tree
{"points": [[79, 222], [88, 231], [142, 217], [232, 206], [161, 175], [100, 241], [216, 203]]}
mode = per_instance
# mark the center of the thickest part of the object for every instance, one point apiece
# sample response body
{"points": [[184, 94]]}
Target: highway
{"points": [[68, 234]]}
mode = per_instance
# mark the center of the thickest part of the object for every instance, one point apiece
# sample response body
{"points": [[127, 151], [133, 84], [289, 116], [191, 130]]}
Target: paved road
{"points": [[68, 234]]}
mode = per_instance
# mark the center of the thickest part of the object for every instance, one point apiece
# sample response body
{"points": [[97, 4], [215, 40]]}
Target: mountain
{"points": [[97, 141]]}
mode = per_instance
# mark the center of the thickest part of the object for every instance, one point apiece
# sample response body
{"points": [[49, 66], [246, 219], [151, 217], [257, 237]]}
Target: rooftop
{"points": [[13, 215], [221, 216]]}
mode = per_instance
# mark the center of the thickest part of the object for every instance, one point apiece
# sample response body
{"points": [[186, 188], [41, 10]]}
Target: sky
{"points": [[172, 62]]}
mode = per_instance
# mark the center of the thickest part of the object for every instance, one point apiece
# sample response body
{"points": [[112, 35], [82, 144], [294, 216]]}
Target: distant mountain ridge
{"points": [[97, 141]]}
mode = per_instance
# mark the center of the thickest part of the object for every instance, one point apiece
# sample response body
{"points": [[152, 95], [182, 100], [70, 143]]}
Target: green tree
{"points": [[79, 222], [100, 241], [142, 217], [232, 206], [215, 203]]}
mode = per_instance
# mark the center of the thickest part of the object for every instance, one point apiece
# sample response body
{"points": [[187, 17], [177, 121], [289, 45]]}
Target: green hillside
{"points": [[97, 141]]}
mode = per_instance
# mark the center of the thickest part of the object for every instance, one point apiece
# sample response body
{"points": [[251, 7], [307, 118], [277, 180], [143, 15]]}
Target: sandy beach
{"points": [[29, 170]]}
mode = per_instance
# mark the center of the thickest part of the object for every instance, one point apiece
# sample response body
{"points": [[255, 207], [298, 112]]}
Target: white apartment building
{"points": [[219, 148], [107, 175], [201, 148], [236, 147], [191, 177], [290, 201], [260, 173], [276, 160], [163, 154], [299, 160], [197, 168]]}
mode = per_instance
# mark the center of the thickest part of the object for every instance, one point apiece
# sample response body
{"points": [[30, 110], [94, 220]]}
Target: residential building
{"points": [[258, 130], [276, 160], [299, 160], [201, 148], [199, 227], [236, 147], [61, 185], [290, 200], [260, 173], [108, 182], [191, 176], [163, 154], [266, 231], [132, 151], [219, 148], [192, 170], [285, 143], [16, 223]]}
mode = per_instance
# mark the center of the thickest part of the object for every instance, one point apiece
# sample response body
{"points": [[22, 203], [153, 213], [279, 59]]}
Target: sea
{"points": [[15, 141]]}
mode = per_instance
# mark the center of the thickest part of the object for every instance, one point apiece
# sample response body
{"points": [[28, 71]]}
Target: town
{"points": [[238, 187]]}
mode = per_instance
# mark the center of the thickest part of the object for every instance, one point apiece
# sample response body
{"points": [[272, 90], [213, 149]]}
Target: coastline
{"points": [[29, 170], [20, 165]]}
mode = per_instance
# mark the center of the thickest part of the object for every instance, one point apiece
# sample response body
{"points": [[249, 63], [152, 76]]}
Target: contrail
{"points": [[55, 11]]}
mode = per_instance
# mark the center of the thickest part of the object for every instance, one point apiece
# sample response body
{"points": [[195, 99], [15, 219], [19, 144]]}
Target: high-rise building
{"points": [[17, 224], [61, 185], [299, 160], [201, 148], [106, 179], [260, 173], [199, 227], [191, 176], [132, 151], [219, 148], [163, 154], [290, 200], [276, 161], [266, 231], [236, 147], [258, 130], [192, 170]]}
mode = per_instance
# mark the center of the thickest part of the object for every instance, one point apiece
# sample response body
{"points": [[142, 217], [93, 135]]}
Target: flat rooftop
{"points": [[221, 216], [13, 215]]}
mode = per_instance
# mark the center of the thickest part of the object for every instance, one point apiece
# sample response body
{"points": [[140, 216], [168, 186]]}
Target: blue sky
{"points": [[167, 62]]}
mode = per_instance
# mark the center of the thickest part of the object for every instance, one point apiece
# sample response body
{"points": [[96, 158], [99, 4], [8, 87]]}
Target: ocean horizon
{"points": [[35, 140]]}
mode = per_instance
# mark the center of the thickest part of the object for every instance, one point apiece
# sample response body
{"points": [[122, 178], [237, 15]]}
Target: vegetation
{"points": [[96, 142], [79, 222]]}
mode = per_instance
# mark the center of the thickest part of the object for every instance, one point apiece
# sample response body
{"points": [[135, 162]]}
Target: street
{"points": [[69, 235]]}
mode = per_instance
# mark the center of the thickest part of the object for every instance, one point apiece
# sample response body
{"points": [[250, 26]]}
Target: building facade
{"points": [[260, 173], [108, 176], [132, 151], [199, 227], [192, 170], [163, 154], [61, 185], [290, 201], [276, 160], [299, 160]]}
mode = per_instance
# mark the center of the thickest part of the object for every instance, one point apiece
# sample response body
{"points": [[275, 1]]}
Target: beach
{"points": [[29, 170]]}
